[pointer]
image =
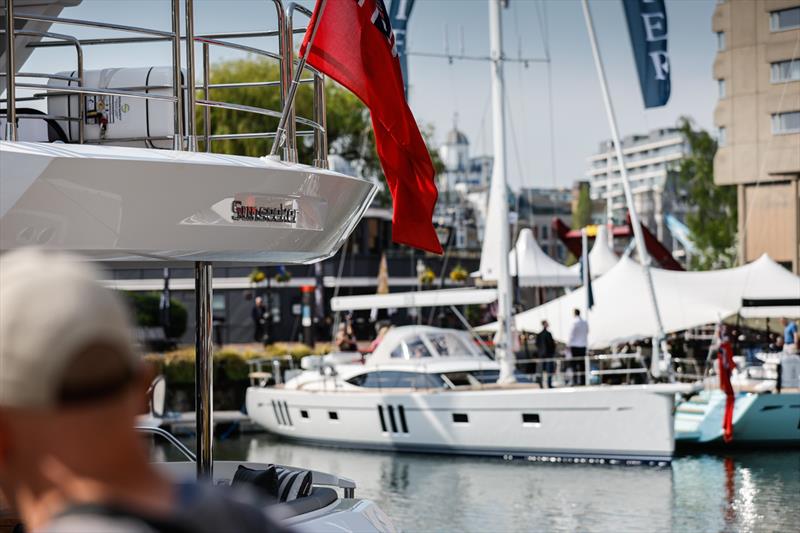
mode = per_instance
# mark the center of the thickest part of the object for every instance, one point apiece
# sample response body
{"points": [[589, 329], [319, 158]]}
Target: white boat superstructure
{"points": [[428, 389]]}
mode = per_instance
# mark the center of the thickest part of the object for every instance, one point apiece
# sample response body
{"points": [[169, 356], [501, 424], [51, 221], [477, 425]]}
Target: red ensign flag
{"points": [[354, 45]]}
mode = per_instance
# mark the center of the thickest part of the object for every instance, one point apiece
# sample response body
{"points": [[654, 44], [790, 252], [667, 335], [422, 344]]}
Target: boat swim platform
{"points": [[186, 423]]}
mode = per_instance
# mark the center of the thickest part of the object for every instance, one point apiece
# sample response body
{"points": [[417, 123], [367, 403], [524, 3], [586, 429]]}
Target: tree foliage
{"points": [[582, 209], [348, 120], [712, 222]]}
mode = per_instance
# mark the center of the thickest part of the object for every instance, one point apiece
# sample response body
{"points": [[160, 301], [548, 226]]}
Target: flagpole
{"points": [[644, 257], [280, 133]]}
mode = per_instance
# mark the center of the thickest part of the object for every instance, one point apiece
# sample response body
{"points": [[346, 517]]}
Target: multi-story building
{"points": [[650, 161], [758, 120], [536, 209]]}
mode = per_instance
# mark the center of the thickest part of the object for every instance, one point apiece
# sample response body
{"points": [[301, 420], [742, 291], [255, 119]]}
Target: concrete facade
{"points": [[758, 120], [649, 159]]}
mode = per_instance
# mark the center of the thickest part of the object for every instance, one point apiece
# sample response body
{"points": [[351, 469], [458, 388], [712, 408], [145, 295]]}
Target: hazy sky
{"points": [[439, 90]]}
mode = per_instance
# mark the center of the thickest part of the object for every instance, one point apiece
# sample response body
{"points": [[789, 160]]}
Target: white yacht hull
{"points": [[758, 419], [632, 424], [115, 203]]}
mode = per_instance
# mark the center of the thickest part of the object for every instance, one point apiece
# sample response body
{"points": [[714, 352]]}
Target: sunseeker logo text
{"points": [[257, 213]]}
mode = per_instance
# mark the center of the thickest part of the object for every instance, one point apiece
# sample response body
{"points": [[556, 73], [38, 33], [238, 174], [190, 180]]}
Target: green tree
{"points": [[713, 221], [582, 208], [349, 126]]}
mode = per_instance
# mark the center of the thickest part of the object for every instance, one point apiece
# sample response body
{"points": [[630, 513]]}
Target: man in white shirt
{"points": [[578, 340]]}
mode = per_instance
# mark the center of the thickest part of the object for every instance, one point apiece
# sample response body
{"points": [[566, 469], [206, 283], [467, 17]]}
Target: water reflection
{"points": [[754, 491]]}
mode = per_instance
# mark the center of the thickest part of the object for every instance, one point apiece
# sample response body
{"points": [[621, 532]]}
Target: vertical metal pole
{"points": [[177, 74], [644, 257], [191, 134], [498, 202], [281, 134], [206, 109], [290, 148], [11, 97], [204, 370], [81, 98], [320, 117], [585, 281]]}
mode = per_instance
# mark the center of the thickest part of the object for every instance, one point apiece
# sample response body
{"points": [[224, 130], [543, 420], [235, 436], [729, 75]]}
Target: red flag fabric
{"points": [[354, 45]]}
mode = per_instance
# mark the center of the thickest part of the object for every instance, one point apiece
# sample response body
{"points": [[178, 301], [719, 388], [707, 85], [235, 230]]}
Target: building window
{"points": [[786, 122], [721, 87], [722, 136], [720, 41], [788, 70], [785, 19]]}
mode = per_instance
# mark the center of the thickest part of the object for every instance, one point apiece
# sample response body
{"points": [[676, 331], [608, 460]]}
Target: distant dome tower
{"points": [[455, 156]]}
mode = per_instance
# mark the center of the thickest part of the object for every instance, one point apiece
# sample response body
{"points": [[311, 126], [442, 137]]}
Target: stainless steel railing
{"points": [[184, 95]]}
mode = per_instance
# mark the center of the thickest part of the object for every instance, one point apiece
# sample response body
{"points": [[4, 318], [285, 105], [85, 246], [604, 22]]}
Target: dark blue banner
{"points": [[647, 25], [399, 13]]}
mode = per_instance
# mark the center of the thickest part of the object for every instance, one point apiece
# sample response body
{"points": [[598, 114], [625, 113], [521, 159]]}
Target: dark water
{"points": [[752, 491]]}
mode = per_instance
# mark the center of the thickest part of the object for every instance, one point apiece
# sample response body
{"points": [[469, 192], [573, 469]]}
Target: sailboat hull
{"points": [[619, 424]]}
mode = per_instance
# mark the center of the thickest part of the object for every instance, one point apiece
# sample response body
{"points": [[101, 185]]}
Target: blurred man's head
{"points": [[784, 321], [259, 300], [545, 324], [71, 382], [576, 312]]}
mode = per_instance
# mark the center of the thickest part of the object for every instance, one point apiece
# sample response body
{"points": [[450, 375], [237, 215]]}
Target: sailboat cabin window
{"points": [[417, 349], [449, 345]]}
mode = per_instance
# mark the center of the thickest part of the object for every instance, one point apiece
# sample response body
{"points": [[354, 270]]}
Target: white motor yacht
{"points": [[427, 389]]}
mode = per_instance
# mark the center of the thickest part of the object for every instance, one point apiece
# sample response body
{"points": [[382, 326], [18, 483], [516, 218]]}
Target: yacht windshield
{"points": [[417, 348], [448, 345]]}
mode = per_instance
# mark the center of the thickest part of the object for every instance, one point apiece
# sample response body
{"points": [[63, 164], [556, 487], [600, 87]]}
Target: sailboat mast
{"points": [[497, 196], [641, 250]]}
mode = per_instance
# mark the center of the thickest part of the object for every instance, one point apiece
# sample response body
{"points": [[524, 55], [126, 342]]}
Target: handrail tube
{"points": [[92, 24], [42, 75], [135, 40], [320, 117], [169, 437], [236, 46], [254, 135], [256, 110], [61, 91], [245, 84]]}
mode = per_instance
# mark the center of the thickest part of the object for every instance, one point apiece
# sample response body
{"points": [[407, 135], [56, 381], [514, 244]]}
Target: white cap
{"points": [[52, 307]]}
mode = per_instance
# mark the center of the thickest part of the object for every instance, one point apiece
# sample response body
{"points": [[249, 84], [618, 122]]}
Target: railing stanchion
{"points": [[11, 97], [321, 133], [206, 96], [191, 133], [177, 74]]}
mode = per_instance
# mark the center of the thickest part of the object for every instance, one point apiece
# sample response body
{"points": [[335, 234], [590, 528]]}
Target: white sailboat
{"points": [[430, 389]]}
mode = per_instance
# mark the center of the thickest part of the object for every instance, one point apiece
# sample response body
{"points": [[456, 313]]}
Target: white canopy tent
{"points": [[623, 311], [536, 268], [436, 298], [601, 257]]}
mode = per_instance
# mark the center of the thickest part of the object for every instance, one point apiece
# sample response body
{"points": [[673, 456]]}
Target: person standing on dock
{"points": [[71, 385], [545, 349], [578, 341], [260, 315], [791, 337]]}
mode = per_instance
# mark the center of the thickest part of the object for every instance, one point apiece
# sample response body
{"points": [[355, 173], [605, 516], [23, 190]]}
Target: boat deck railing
{"points": [[184, 92]]}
